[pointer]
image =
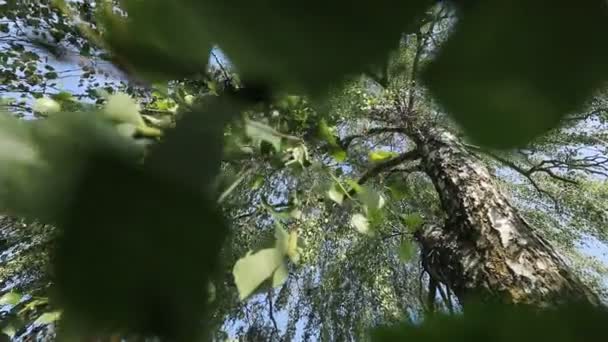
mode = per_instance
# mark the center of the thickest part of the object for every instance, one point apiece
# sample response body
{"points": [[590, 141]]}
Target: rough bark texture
{"points": [[486, 250]]}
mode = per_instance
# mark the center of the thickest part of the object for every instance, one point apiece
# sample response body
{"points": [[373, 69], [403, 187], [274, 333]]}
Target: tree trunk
{"points": [[486, 250]]}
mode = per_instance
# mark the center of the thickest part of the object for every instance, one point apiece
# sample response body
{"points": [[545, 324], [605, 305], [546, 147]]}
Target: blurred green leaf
{"points": [[513, 68], [355, 186], [121, 107], [490, 322], [143, 267], [10, 298], [160, 40], [361, 224], [309, 40], [371, 199], [254, 268], [258, 182], [326, 134], [380, 156], [138, 244], [412, 221], [335, 194], [406, 250], [48, 317], [338, 154], [259, 132]]}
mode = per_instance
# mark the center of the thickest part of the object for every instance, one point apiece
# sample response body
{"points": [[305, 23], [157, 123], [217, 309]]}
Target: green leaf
{"points": [[122, 108], [326, 134], [527, 71], [46, 105], [163, 216], [406, 250], [338, 154], [62, 96], [10, 325], [413, 222], [282, 239], [371, 199], [258, 182], [10, 298], [280, 275], [336, 194], [48, 317], [253, 269], [9, 330], [160, 41], [355, 186], [380, 156], [398, 188], [259, 132], [361, 224]]}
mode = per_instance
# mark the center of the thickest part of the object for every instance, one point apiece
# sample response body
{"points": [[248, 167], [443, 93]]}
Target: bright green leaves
{"points": [[380, 156], [266, 267], [10, 298], [46, 105], [123, 110], [512, 69], [255, 268], [361, 224], [490, 322]]}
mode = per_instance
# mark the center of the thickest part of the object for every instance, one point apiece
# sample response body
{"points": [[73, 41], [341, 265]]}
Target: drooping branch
{"points": [[542, 167], [595, 164]]}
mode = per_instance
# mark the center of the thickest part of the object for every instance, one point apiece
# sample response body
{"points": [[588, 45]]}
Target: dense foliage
{"points": [[194, 170]]}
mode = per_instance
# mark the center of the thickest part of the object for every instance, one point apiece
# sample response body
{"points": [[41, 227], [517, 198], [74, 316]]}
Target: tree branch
{"points": [[526, 173], [381, 167], [346, 141]]}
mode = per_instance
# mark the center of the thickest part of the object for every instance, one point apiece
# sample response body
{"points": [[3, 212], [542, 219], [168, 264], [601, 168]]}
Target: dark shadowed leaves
{"points": [[136, 252], [307, 45], [499, 323], [160, 40], [140, 243], [513, 69]]}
